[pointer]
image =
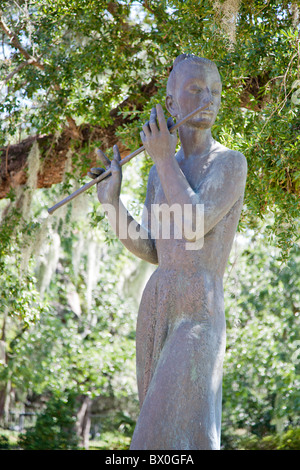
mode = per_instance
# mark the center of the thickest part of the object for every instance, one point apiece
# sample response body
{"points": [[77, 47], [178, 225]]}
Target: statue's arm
{"points": [[222, 187], [134, 236], [219, 191], [137, 237]]}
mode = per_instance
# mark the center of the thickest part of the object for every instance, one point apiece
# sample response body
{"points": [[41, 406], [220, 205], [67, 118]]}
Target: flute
{"points": [[125, 160]]}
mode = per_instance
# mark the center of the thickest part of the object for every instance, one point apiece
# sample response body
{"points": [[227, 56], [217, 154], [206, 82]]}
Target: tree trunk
{"points": [[5, 390], [83, 424], [54, 149], [3, 361], [2, 401]]}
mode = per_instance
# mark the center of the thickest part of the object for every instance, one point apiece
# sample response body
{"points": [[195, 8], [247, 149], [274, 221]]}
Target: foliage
{"points": [[289, 440], [9, 440], [85, 336], [54, 428], [261, 372], [111, 441], [116, 433], [18, 293], [87, 56], [4, 442]]}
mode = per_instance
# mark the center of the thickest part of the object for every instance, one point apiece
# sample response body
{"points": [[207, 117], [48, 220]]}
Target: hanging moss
{"points": [[226, 13]]}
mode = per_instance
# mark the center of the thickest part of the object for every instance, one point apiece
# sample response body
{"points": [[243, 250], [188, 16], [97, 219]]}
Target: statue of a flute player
{"points": [[180, 337]]}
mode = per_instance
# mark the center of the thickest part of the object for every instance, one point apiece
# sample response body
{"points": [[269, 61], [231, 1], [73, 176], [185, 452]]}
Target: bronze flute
{"points": [[122, 162]]}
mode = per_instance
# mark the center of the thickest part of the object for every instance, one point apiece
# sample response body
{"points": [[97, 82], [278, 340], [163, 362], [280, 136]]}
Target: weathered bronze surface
{"points": [[180, 337]]}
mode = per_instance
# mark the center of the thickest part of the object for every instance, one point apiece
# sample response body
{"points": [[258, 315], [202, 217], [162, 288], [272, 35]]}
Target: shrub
{"points": [[289, 440], [54, 428], [4, 442]]}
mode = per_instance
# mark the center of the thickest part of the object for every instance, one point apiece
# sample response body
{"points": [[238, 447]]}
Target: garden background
{"points": [[79, 75]]}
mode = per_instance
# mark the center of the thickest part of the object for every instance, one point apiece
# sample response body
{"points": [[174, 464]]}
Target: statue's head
{"points": [[194, 81]]}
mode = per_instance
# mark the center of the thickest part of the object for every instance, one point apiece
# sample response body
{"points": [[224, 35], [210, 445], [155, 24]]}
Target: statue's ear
{"points": [[171, 105]]}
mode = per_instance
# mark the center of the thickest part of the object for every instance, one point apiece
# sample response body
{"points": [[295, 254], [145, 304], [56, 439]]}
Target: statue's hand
{"points": [[156, 137], [109, 189]]}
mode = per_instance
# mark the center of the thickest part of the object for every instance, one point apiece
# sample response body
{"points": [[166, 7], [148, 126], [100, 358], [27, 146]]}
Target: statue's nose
{"points": [[209, 94]]}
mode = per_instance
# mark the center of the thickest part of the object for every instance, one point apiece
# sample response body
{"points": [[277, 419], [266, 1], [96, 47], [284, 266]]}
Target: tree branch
{"points": [[16, 70], [54, 151], [153, 12], [16, 43]]}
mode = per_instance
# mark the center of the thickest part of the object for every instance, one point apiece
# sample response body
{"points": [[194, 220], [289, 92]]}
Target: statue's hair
{"points": [[186, 59]]}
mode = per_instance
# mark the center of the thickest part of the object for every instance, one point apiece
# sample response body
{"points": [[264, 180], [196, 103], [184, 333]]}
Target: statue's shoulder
{"points": [[232, 161]]}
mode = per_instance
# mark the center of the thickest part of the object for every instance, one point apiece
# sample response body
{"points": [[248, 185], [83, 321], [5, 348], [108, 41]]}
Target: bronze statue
{"points": [[180, 337]]}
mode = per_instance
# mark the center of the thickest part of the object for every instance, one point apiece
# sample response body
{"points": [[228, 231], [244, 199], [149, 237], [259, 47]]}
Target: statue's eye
{"points": [[215, 92], [195, 89]]}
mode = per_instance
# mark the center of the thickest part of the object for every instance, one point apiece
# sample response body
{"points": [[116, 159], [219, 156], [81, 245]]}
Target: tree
{"points": [[82, 342], [261, 373], [85, 73]]}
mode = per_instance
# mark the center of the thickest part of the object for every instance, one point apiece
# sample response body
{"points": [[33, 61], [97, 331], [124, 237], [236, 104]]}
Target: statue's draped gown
{"points": [[180, 342]]}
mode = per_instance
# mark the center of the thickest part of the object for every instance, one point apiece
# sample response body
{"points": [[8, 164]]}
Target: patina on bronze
{"points": [[180, 337]]}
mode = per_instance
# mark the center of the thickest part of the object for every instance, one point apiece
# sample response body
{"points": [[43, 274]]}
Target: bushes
{"points": [[289, 440], [4, 442], [40, 439], [54, 428], [8, 439]]}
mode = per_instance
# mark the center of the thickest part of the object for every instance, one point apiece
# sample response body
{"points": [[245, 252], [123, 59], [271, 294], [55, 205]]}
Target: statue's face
{"points": [[196, 85]]}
